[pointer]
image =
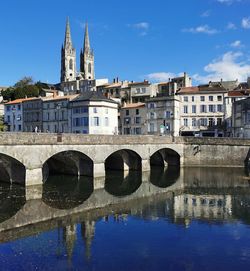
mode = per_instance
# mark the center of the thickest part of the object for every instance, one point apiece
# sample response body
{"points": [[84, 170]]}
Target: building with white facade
{"points": [[133, 119], [202, 110], [13, 115], [92, 113]]}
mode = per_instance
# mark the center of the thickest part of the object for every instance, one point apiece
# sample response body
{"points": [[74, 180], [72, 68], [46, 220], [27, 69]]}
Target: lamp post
{"points": [[58, 107]]}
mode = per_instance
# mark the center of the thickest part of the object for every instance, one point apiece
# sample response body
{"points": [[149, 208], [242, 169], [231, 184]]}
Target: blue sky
{"points": [[132, 39]]}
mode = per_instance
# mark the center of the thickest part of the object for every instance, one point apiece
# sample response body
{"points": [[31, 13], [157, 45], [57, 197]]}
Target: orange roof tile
{"points": [[133, 105]]}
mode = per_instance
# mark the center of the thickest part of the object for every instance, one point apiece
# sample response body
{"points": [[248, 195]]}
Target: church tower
{"points": [[87, 58], [68, 57]]}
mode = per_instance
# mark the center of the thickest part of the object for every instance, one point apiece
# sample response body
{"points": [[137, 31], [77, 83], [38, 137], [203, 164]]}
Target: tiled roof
{"points": [[92, 96], [133, 105], [66, 97], [139, 83], [17, 101]]}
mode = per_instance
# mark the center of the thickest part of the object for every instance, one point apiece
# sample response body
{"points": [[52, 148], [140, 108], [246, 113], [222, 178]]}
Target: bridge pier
{"points": [[145, 165], [33, 176]]}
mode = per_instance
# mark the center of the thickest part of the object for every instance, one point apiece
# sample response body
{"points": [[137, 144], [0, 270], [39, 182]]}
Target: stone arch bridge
{"points": [[29, 157]]}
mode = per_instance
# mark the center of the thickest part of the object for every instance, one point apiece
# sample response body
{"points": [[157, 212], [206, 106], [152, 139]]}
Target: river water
{"points": [[177, 219]]}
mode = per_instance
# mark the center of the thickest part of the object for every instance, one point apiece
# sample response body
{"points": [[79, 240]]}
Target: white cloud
{"points": [[205, 29], [245, 23], [231, 26], [206, 13], [162, 76], [227, 67], [142, 26], [228, 2], [236, 44]]}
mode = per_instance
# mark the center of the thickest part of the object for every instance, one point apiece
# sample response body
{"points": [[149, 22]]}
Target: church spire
{"points": [[87, 58], [67, 41], [86, 39]]}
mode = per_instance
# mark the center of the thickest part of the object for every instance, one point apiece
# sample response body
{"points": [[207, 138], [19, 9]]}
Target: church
{"points": [[73, 81]]}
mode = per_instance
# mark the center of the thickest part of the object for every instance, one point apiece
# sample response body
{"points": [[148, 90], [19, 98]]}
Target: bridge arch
{"points": [[69, 162], [123, 160], [165, 157], [11, 170]]}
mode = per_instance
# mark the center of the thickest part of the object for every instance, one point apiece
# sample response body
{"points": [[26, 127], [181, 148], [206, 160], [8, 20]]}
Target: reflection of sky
{"points": [[136, 244]]}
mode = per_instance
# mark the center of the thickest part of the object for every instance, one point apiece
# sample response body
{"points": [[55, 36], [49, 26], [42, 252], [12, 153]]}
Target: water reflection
{"points": [[66, 192], [12, 198], [119, 185], [164, 177]]}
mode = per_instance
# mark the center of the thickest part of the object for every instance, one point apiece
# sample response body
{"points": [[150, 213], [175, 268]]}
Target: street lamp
{"points": [[58, 107]]}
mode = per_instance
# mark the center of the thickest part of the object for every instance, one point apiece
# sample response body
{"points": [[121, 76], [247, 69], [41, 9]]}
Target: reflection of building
{"points": [[88, 233], [202, 206], [69, 237]]}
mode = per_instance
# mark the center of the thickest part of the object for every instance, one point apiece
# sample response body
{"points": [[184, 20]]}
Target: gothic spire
{"points": [[86, 39], [67, 40]]}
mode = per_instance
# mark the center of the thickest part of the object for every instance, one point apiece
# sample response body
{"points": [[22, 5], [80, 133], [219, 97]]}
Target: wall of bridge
{"points": [[33, 150]]}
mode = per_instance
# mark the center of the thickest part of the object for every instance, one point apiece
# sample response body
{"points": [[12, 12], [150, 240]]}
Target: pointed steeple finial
{"points": [[86, 39], [67, 40]]}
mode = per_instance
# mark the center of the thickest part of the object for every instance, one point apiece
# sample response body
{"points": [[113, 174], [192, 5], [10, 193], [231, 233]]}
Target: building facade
{"points": [[163, 116], [92, 113], [133, 119]]}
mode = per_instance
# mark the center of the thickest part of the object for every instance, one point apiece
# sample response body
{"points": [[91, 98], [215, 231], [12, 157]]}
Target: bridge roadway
{"points": [[29, 158]]}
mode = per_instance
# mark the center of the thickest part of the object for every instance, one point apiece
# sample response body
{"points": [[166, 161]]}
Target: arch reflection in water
{"points": [[165, 157], [119, 185], [12, 199], [164, 177], [66, 192]]}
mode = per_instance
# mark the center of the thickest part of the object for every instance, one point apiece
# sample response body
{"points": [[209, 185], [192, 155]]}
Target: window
{"points": [[192, 98], [219, 108], [94, 110], [137, 131], [84, 109], [219, 121], [137, 111], [210, 98], [202, 98], [8, 118], [203, 108], [76, 122], [219, 98], [19, 127], [248, 117], [210, 122], [137, 90], [185, 122], [106, 121], [211, 108], [85, 121], [151, 127], [76, 110], [203, 122], [89, 68], [137, 120], [47, 116], [185, 98], [127, 121], [193, 109], [127, 112], [96, 121], [126, 131], [8, 108], [143, 90], [185, 109], [19, 108], [71, 64], [151, 105], [152, 115], [194, 122], [168, 114]]}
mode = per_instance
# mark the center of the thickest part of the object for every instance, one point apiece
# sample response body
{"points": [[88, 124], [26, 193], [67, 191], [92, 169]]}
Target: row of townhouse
{"points": [[89, 113], [205, 110]]}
